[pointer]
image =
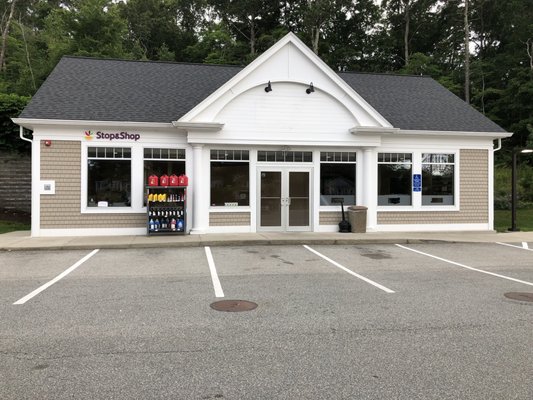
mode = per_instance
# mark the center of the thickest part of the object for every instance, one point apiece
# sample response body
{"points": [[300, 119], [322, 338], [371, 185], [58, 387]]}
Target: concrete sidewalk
{"points": [[21, 240]]}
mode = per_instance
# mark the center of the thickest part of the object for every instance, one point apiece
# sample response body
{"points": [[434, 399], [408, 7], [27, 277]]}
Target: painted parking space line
{"points": [[56, 279], [385, 289], [466, 266], [214, 276], [523, 247]]}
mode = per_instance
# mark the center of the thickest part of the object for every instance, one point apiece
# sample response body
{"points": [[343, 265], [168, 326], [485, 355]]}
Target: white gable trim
{"points": [[290, 38]]}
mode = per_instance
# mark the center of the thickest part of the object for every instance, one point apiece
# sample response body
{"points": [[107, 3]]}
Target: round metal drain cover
{"points": [[519, 296], [233, 305]]}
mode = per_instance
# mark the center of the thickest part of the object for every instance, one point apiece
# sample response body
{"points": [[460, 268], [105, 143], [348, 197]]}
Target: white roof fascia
{"points": [[372, 130], [30, 123], [198, 126], [488, 135], [288, 38]]}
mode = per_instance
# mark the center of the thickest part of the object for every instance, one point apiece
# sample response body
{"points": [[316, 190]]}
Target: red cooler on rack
{"points": [[163, 180], [174, 180], [153, 180], [183, 180]]}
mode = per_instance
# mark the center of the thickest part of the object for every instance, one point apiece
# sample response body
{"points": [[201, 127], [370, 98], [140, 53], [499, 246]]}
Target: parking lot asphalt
{"points": [[137, 323]]}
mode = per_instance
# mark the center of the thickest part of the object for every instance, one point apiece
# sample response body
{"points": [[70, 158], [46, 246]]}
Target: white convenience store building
{"points": [[274, 146]]}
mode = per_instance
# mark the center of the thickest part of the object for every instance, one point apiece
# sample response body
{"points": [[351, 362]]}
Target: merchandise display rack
{"points": [[166, 210]]}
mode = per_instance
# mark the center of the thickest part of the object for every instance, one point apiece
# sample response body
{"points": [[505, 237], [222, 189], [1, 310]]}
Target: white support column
{"points": [[370, 187], [35, 186], [197, 183]]}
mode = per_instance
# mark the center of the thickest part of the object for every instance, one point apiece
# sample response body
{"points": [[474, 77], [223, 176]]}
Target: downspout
{"points": [[499, 146], [21, 134]]}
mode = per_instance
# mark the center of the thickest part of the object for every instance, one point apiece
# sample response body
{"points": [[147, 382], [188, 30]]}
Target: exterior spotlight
{"points": [[268, 87], [310, 89]]}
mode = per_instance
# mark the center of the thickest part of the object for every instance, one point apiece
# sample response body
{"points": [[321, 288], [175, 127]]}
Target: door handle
{"points": [[285, 201], [288, 201]]}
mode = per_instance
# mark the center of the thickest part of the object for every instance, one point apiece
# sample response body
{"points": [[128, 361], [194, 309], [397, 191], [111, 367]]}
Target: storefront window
{"points": [[337, 178], [159, 162], [438, 172], [109, 177], [394, 179], [230, 178]]}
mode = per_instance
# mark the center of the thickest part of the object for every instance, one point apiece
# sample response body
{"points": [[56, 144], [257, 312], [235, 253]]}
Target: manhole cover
{"points": [[519, 296], [233, 305]]}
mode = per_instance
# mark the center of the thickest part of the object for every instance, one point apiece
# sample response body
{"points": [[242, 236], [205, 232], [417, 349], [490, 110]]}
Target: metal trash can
{"points": [[357, 218]]}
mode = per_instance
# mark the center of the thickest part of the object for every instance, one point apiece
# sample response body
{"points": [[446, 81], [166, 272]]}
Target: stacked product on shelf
{"points": [[165, 204]]}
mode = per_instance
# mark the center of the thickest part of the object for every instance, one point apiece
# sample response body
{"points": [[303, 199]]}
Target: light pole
{"points": [[516, 152]]}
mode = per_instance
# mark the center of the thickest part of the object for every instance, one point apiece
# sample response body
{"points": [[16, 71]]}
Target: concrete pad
{"points": [[20, 240]]}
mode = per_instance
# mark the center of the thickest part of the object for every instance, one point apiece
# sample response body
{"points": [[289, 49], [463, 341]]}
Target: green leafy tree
{"points": [[248, 20], [218, 46], [10, 106], [86, 28], [162, 30]]}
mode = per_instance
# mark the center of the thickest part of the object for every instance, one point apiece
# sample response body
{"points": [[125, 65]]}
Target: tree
{"points": [[87, 28], [408, 27], [10, 106], [162, 30], [248, 20], [467, 51], [5, 31]]}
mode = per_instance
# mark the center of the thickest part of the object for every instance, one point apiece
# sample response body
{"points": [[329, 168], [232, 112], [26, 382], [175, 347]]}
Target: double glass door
{"points": [[284, 199]]}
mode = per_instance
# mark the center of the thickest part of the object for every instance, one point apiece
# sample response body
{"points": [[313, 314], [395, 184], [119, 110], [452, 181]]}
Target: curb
{"points": [[223, 243]]}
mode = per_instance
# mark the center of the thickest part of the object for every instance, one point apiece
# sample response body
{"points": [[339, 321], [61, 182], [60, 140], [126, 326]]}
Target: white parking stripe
{"points": [[385, 289], [466, 266], [57, 278], [515, 246], [214, 277], [524, 245]]}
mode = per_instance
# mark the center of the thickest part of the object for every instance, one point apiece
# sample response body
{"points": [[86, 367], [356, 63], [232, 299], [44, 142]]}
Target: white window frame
{"points": [[237, 208], [85, 209], [416, 199], [357, 177], [410, 207], [454, 164], [156, 146]]}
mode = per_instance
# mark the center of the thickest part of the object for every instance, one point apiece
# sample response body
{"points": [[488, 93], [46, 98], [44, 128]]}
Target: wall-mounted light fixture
{"points": [[310, 89], [268, 87]]}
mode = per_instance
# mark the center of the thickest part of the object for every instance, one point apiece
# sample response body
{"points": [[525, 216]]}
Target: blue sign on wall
{"points": [[417, 183]]}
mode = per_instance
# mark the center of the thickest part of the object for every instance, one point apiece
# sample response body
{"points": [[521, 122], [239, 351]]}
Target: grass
{"points": [[524, 219], [10, 226]]}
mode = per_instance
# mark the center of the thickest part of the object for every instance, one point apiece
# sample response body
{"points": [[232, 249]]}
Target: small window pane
{"points": [[92, 152]]}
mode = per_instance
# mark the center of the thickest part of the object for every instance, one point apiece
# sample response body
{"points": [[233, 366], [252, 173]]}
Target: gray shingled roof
{"points": [[141, 91]]}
